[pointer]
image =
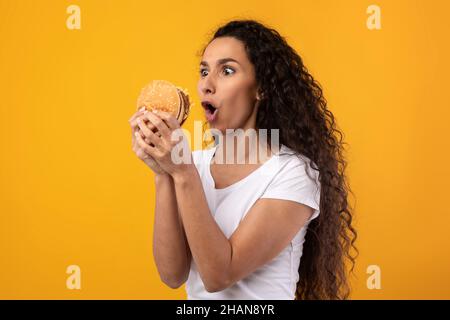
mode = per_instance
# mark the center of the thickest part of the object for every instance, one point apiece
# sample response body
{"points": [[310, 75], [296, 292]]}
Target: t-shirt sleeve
{"points": [[293, 183]]}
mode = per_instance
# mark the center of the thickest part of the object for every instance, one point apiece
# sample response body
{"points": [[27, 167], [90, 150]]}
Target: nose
{"points": [[207, 85]]}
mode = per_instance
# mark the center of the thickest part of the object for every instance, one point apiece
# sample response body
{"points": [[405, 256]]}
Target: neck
{"points": [[242, 147]]}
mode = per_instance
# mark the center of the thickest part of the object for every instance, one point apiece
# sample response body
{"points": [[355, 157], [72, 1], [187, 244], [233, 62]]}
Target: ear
{"points": [[259, 95]]}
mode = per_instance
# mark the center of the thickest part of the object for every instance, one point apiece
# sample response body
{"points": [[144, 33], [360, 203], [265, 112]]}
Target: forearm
{"points": [[170, 249], [210, 248]]}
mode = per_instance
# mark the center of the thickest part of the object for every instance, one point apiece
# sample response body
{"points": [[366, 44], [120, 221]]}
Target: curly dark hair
{"points": [[293, 102]]}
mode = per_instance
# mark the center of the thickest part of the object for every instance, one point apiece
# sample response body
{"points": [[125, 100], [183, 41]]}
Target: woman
{"points": [[238, 231]]}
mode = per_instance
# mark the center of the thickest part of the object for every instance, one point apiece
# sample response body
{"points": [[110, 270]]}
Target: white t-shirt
{"points": [[283, 176]]}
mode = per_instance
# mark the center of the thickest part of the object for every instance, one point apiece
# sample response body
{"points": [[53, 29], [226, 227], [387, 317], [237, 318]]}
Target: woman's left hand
{"points": [[170, 147]]}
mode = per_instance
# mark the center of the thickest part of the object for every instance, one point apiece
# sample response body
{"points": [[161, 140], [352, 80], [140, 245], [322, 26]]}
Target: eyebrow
{"points": [[220, 61]]}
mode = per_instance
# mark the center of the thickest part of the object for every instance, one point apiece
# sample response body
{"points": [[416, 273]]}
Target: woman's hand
{"points": [[145, 157], [165, 145]]}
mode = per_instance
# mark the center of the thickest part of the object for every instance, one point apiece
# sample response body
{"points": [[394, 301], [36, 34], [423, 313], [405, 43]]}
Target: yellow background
{"points": [[73, 192]]}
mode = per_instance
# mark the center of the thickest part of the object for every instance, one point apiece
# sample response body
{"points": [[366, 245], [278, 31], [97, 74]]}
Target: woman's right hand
{"points": [[145, 157]]}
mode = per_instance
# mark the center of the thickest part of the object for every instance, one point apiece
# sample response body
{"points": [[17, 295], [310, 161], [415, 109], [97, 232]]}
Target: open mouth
{"points": [[210, 111]]}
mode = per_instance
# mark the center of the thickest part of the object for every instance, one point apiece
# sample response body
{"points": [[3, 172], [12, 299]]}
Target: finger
{"points": [[158, 122], [147, 148], [173, 124], [150, 125], [135, 127], [144, 137], [138, 130], [143, 127], [133, 123], [147, 140], [151, 138], [146, 122], [140, 133], [136, 114], [169, 119]]}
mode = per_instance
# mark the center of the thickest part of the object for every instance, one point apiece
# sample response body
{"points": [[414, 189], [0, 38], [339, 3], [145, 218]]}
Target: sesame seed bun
{"points": [[164, 96]]}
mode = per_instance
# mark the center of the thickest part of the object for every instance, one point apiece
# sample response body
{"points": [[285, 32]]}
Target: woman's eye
{"points": [[228, 69], [225, 68]]}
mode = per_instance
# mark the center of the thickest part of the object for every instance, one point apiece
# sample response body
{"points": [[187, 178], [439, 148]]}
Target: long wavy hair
{"points": [[293, 102]]}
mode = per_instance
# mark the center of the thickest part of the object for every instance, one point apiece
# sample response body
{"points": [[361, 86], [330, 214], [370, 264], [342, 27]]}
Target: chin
{"points": [[219, 128]]}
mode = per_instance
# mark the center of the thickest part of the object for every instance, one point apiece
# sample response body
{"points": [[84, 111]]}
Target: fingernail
{"points": [[142, 109], [155, 111], [136, 133], [145, 111]]}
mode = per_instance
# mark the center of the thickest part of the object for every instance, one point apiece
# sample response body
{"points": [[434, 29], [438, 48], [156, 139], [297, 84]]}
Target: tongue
{"points": [[211, 115]]}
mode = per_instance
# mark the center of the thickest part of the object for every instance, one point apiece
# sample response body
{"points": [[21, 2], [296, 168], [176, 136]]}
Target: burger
{"points": [[164, 96]]}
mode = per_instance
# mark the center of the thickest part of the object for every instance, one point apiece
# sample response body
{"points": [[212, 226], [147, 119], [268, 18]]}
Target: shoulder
{"points": [[294, 179], [291, 162]]}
